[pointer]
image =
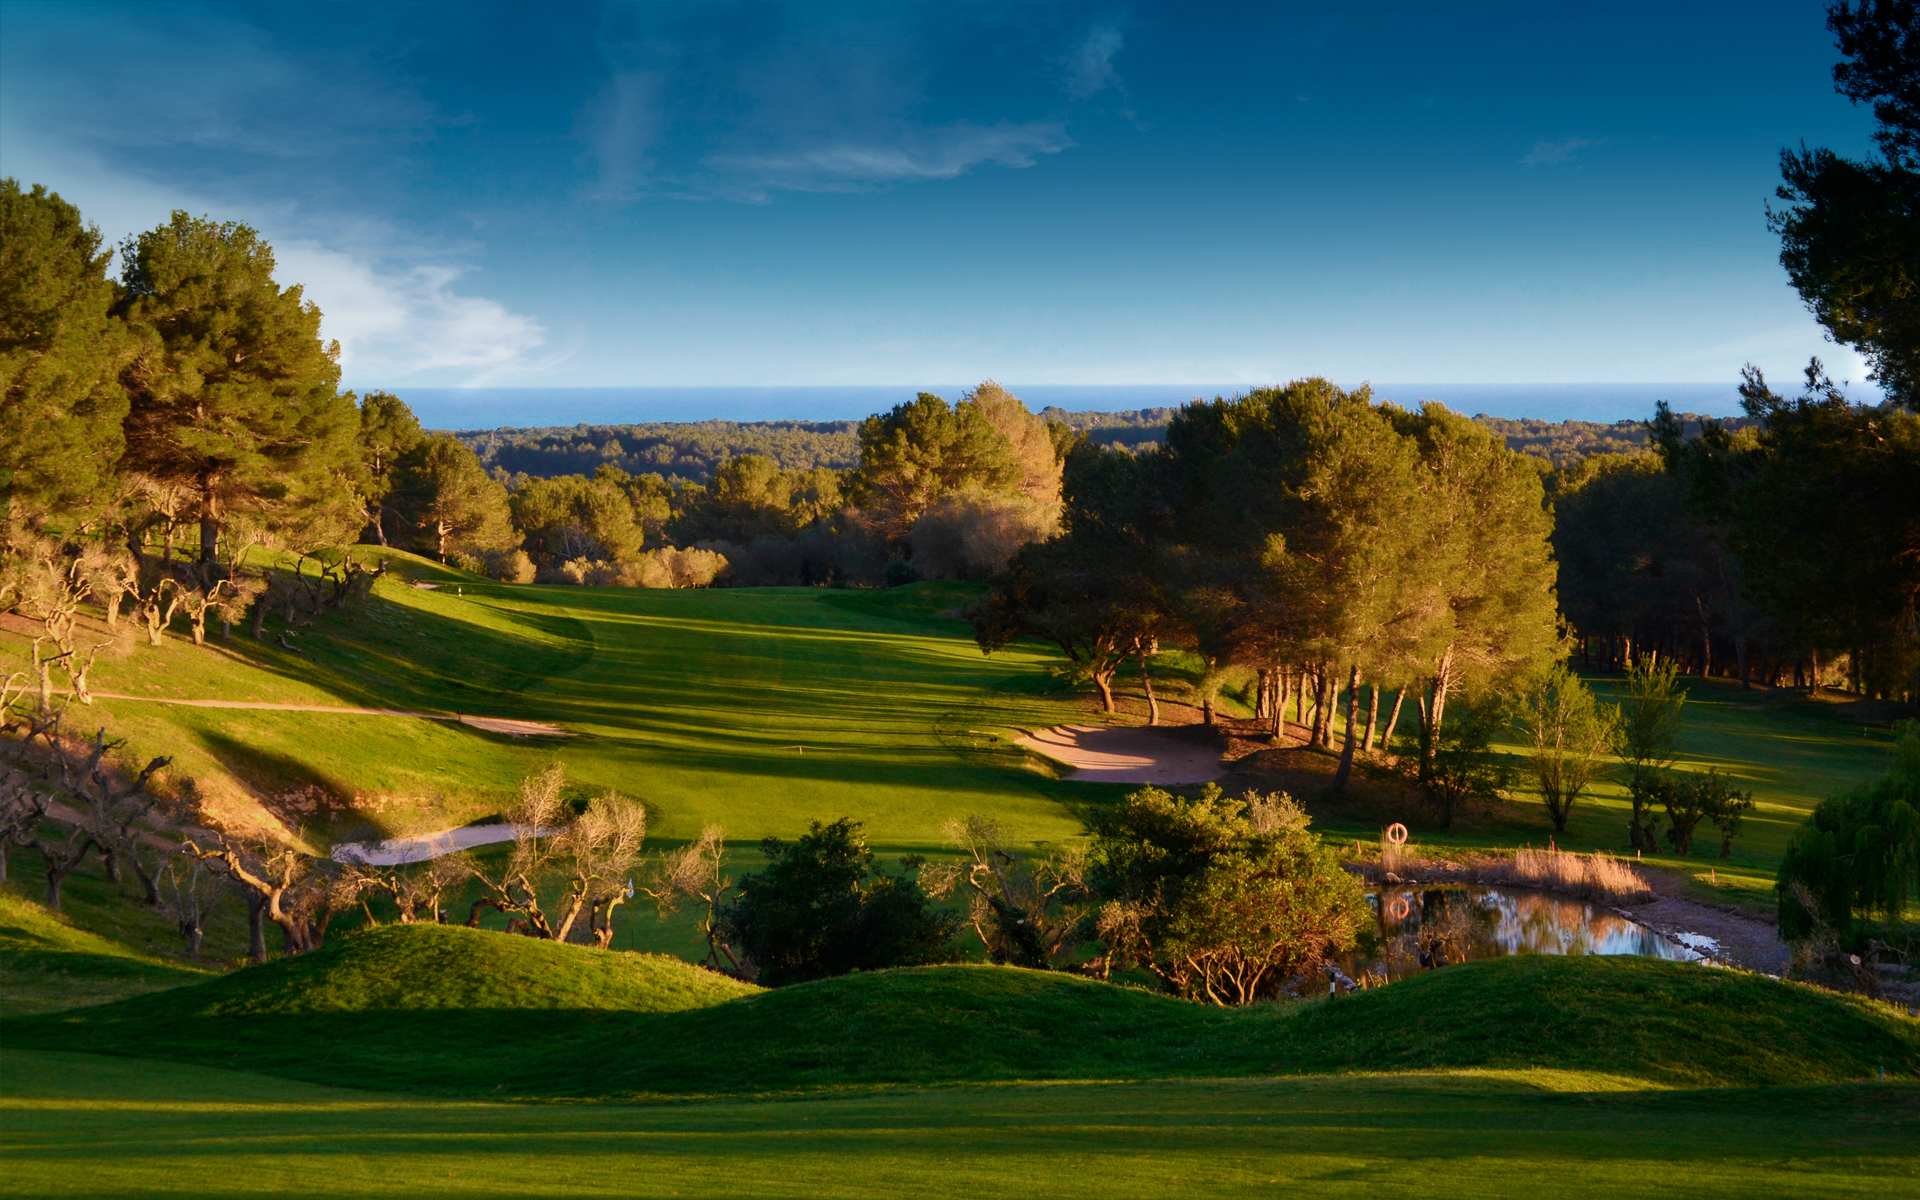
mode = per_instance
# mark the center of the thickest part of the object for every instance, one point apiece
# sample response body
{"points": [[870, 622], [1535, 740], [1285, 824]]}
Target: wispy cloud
{"points": [[911, 157], [1546, 153], [1090, 66], [399, 320]]}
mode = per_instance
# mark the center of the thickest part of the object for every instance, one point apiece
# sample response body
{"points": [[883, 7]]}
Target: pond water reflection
{"points": [[1416, 929]]}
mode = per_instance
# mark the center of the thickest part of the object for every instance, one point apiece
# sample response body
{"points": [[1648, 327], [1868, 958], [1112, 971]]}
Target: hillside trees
{"points": [[923, 450], [235, 397], [1822, 508], [440, 491], [61, 353], [388, 431], [1568, 735], [1850, 231]]}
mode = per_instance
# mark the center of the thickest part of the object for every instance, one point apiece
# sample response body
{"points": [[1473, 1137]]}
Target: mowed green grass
{"points": [[49, 962], [88, 1125], [471, 1013], [760, 709]]}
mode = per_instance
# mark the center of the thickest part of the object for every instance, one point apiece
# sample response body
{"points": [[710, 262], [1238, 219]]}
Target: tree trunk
{"points": [[1103, 679], [55, 877], [1373, 716], [1146, 685], [1436, 713], [190, 930], [151, 883], [111, 861], [1393, 721], [256, 927], [1322, 709], [1280, 708], [6, 846], [209, 519], [1353, 726], [1260, 697]]}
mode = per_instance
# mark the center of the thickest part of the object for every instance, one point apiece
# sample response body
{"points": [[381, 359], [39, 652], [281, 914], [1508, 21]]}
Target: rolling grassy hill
{"points": [[461, 1012]]}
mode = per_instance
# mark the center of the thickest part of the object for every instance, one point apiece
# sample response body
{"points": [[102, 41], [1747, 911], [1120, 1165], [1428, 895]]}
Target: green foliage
{"points": [[1226, 902], [441, 492], [235, 398], [1848, 238], [1567, 734], [1465, 767], [61, 403], [388, 431], [1690, 799], [923, 450], [1820, 506], [1859, 853], [1647, 737], [573, 517], [823, 908]]}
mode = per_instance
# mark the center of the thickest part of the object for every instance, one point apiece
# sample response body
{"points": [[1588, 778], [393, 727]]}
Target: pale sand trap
{"points": [[422, 847], [1109, 754], [507, 725]]}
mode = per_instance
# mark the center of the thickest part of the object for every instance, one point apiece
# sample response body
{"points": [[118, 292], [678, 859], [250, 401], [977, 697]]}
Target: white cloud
{"points": [[1090, 68], [1552, 153], [396, 321], [909, 158]]}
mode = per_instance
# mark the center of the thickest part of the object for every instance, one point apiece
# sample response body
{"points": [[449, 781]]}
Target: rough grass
{"points": [[47, 963], [460, 1012], [1598, 876], [85, 1125]]}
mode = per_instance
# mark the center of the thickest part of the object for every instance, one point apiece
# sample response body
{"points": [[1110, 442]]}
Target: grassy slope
{"points": [[196, 1132], [758, 709], [47, 962], [459, 1012]]}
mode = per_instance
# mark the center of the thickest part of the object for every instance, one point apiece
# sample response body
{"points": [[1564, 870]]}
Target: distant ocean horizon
{"points": [[536, 407]]}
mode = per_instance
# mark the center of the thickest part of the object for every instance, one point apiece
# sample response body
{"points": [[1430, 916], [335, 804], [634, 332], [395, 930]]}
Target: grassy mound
{"points": [[447, 1011], [425, 968], [48, 963]]}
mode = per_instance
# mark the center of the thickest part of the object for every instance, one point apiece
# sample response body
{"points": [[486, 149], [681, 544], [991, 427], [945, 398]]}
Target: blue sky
{"points": [[721, 194]]}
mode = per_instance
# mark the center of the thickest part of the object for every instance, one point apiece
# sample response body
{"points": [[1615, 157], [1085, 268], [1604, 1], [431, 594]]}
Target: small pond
{"points": [[1417, 929]]}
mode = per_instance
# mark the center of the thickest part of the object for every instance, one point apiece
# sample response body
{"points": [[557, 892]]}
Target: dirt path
{"points": [[1116, 754], [508, 725]]}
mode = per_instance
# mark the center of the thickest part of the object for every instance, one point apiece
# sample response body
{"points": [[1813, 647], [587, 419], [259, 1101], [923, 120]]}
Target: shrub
{"points": [[972, 535], [1224, 903], [509, 566], [822, 907], [1858, 853]]}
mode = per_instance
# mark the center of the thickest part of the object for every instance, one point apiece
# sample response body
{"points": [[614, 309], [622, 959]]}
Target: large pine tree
{"points": [[236, 397], [61, 353]]}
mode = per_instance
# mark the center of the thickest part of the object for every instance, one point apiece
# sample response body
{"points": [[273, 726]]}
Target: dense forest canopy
{"points": [[690, 450]]}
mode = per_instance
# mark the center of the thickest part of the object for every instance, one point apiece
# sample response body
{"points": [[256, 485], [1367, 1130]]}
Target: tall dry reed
{"points": [[1597, 876]]}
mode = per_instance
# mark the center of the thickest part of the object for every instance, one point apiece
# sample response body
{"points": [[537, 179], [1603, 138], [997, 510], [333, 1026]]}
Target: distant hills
{"points": [[690, 450]]}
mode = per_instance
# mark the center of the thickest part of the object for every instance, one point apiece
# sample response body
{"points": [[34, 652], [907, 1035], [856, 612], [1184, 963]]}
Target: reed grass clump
{"points": [[1596, 876]]}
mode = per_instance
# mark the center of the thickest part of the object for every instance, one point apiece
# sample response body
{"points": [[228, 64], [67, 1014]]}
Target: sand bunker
{"points": [[1110, 754], [424, 846]]}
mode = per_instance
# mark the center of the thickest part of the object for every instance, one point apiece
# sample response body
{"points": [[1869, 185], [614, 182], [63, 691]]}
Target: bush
{"points": [[1858, 853], [1226, 903], [509, 566], [972, 535], [823, 908]]}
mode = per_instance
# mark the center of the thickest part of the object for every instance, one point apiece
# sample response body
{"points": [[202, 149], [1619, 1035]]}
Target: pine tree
{"points": [[61, 353], [235, 397]]}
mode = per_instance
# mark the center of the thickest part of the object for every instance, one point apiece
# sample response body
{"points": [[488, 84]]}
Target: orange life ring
{"points": [[1397, 834], [1400, 909]]}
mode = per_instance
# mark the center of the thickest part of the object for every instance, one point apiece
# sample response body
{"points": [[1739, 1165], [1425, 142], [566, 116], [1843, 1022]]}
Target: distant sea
{"points": [[523, 407]]}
